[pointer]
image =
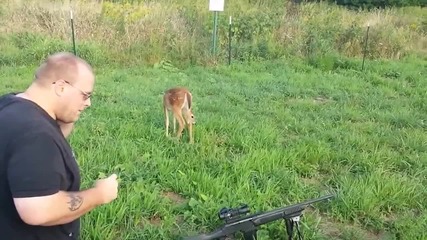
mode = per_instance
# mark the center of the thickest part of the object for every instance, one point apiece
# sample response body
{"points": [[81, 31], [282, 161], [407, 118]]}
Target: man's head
{"points": [[69, 81]]}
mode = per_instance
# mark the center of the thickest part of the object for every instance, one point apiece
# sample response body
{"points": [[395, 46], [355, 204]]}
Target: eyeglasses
{"points": [[86, 95]]}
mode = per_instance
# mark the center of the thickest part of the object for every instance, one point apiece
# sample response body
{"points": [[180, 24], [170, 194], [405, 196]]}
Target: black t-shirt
{"points": [[35, 160]]}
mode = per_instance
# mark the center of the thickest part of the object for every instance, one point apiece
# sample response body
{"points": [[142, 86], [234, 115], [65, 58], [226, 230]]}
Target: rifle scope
{"points": [[229, 213]]}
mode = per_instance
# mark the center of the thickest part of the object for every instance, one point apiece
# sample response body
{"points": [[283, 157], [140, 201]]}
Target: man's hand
{"points": [[107, 188], [66, 128], [64, 207]]}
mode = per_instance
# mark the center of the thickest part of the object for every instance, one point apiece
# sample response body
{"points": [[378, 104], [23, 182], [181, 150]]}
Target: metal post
{"points": [[229, 42], [215, 31], [72, 31], [366, 45]]}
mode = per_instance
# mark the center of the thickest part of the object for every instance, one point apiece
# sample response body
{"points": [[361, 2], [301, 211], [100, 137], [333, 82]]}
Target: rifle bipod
{"points": [[289, 224]]}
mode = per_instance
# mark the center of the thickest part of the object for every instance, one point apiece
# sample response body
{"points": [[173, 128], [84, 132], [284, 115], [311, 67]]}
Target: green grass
{"points": [[268, 134]]}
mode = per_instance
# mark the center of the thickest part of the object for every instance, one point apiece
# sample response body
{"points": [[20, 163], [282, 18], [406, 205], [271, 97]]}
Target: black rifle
{"points": [[249, 225]]}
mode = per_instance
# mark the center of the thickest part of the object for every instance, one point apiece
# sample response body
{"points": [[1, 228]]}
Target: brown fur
{"points": [[179, 100]]}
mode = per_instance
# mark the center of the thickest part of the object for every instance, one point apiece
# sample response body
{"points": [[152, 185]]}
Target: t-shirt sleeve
{"points": [[34, 166]]}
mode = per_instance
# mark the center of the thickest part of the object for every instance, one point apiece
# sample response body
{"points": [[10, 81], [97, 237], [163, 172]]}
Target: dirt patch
{"points": [[155, 220], [389, 218], [336, 230], [316, 181], [314, 100], [174, 197], [330, 229], [321, 99], [311, 180], [179, 219]]}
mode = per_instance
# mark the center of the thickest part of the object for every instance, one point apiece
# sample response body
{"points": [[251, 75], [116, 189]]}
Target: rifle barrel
{"points": [[286, 212]]}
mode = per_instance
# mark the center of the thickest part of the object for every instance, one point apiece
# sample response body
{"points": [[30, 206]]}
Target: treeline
{"points": [[367, 4], [370, 4]]}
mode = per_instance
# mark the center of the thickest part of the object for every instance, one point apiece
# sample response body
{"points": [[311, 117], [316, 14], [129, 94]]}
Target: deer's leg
{"points": [[181, 122], [174, 125], [189, 125], [190, 132], [166, 120]]}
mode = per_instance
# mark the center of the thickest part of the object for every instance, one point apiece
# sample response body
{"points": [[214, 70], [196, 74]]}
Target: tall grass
{"points": [[149, 32]]}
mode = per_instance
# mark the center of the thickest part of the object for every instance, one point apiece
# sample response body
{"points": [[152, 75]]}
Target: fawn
{"points": [[179, 100]]}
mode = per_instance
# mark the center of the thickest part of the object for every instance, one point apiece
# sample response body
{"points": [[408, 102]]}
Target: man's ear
{"points": [[58, 87]]}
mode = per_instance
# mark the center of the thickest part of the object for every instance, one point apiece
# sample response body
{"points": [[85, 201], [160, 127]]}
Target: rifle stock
{"points": [[248, 225]]}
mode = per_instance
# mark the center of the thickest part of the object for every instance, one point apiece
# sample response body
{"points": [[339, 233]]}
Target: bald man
{"points": [[40, 196]]}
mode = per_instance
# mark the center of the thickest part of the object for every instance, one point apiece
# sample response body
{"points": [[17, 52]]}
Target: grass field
{"points": [[268, 134]]}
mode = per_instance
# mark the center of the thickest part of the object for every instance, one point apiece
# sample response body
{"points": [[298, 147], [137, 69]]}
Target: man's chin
{"points": [[68, 120]]}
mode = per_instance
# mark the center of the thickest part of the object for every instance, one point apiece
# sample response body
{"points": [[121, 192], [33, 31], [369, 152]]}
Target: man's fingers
{"points": [[114, 176]]}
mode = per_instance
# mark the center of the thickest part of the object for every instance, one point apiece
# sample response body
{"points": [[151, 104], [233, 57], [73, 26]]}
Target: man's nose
{"points": [[88, 102]]}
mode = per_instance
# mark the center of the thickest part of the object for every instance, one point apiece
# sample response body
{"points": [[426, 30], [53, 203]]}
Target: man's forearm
{"points": [[64, 207], [68, 206]]}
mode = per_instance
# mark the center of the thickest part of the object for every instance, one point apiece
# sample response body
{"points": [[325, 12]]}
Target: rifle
{"points": [[249, 225]]}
